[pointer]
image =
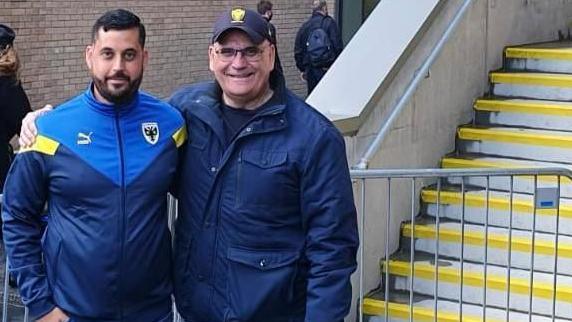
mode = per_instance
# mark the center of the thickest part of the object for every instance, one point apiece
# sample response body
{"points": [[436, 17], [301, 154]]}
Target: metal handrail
{"points": [[419, 75]]}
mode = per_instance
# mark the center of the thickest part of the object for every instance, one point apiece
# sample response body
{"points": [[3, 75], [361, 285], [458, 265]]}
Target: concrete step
{"points": [[447, 310], [545, 86], [553, 115], [539, 57], [496, 282], [498, 241], [451, 206], [541, 145], [523, 184]]}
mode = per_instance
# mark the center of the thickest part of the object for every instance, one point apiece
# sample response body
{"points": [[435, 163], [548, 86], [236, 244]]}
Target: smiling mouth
{"points": [[240, 76]]}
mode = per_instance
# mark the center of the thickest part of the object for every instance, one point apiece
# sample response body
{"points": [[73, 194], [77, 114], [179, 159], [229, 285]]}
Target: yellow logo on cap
{"points": [[237, 15]]}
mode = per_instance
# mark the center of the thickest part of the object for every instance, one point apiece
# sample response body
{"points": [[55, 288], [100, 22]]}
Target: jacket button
{"points": [[249, 129], [262, 263], [213, 169]]}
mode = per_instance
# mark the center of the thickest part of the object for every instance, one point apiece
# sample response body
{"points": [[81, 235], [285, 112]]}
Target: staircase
{"points": [[526, 122]]}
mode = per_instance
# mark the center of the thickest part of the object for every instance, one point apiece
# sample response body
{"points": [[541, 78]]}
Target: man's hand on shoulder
{"points": [[28, 131], [55, 315]]}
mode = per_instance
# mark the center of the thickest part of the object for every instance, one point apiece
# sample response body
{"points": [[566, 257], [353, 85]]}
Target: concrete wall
{"points": [[52, 36], [426, 129]]}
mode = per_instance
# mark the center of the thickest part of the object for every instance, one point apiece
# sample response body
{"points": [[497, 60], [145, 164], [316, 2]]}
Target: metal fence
{"points": [[528, 179]]}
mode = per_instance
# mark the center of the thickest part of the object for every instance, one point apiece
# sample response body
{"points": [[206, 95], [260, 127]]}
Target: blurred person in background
{"points": [[264, 8], [14, 103], [318, 44]]}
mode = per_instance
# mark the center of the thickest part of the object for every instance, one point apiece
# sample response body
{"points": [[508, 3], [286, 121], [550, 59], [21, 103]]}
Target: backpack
{"points": [[319, 48]]}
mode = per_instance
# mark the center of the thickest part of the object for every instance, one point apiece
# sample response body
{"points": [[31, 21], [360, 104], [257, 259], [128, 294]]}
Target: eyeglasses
{"points": [[251, 54]]}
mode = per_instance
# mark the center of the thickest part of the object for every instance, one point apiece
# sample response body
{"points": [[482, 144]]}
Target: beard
{"points": [[117, 95]]}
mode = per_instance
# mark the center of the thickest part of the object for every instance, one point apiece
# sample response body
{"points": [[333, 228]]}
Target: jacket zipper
{"points": [[122, 213]]}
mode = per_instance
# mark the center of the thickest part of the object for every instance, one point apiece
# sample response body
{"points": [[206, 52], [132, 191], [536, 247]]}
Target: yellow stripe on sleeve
{"points": [[180, 136], [42, 145]]}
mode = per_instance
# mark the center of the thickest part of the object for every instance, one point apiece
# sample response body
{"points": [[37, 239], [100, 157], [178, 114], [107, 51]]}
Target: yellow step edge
{"points": [[524, 137], [473, 199], [476, 279], [495, 240], [451, 163], [540, 79], [396, 310], [522, 107], [539, 53]]}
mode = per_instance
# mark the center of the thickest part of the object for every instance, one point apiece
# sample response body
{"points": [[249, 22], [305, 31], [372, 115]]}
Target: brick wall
{"points": [[52, 36]]}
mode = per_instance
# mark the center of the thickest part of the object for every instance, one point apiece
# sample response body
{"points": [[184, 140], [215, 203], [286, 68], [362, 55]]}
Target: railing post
{"points": [[436, 281], [486, 259], [5, 295], [554, 281], [6, 275], [412, 251], [533, 244], [361, 250], [387, 232], [509, 260]]}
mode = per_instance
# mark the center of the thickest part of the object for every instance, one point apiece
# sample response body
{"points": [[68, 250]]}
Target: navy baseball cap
{"points": [[7, 36], [249, 21]]}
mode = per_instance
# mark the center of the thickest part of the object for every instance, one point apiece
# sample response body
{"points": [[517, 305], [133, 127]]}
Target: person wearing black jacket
{"points": [[14, 103], [264, 8], [319, 19]]}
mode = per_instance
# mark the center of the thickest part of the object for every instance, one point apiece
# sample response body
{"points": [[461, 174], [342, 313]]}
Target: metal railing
{"points": [[438, 177]]}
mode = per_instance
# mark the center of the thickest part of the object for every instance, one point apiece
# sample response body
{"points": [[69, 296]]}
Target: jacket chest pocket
{"points": [[265, 179]]}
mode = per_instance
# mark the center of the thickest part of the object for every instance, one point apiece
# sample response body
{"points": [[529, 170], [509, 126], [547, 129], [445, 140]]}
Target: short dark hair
{"points": [[319, 5], [263, 6], [119, 19]]}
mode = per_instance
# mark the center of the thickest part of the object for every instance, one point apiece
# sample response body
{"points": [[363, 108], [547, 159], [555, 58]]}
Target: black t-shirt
{"points": [[14, 105], [235, 119]]}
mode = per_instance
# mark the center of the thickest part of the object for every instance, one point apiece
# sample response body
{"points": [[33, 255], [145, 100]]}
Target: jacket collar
{"points": [[109, 109]]}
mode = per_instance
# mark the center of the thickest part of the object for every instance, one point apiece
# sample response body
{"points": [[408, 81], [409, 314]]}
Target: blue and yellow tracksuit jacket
{"points": [[104, 172]]}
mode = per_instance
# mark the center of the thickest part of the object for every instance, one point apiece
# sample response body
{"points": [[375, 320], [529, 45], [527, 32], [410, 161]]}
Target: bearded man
{"points": [[103, 163]]}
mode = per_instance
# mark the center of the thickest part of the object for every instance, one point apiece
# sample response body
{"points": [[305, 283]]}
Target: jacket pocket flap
{"points": [[263, 260], [264, 159]]}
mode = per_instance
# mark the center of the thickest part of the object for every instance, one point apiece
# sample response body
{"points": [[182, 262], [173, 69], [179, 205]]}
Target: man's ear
{"points": [[88, 56], [145, 57], [211, 57], [273, 55]]}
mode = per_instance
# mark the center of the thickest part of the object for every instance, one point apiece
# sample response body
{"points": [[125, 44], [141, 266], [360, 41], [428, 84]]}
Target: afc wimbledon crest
{"points": [[150, 132], [237, 15]]}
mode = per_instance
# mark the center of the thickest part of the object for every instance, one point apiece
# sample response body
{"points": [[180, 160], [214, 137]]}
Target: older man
{"points": [[267, 223]]}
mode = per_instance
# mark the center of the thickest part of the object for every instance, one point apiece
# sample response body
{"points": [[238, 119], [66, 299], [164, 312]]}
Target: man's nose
{"points": [[239, 60], [118, 64]]}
